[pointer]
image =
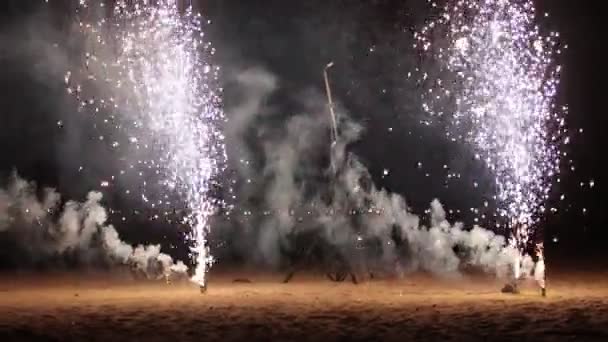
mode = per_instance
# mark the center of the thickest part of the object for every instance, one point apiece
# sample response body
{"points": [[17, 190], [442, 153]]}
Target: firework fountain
{"points": [[147, 71], [495, 90]]}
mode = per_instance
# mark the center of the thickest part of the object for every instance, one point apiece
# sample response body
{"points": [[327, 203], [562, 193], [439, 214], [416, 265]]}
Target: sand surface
{"points": [[310, 308]]}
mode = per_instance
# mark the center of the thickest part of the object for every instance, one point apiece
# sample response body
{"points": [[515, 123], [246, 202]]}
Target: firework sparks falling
{"points": [[150, 63], [495, 90]]}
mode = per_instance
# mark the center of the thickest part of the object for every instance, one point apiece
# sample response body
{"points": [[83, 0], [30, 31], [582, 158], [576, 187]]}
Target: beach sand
{"points": [[309, 308]]}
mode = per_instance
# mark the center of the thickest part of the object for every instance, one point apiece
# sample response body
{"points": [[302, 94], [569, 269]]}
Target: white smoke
{"points": [[345, 206], [433, 248], [46, 229]]}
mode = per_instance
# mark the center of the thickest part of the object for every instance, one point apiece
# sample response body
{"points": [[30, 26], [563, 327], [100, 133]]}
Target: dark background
{"points": [[370, 42]]}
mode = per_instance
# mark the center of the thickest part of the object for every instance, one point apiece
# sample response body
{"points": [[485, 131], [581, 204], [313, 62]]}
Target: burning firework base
{"points": [[538, 273]]}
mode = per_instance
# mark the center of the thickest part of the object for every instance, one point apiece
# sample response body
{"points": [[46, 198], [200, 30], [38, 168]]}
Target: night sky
{"points": [[370, 42]]}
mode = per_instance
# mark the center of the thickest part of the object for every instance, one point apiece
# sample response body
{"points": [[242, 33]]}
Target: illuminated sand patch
{"points": [[310, 308]]}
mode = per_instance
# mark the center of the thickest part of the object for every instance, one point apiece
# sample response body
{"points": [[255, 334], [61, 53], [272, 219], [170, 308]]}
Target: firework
{"points": [[147, 72], [495, 90]]}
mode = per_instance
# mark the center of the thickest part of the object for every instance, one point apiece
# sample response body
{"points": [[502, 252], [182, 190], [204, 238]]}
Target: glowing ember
{"points": [[495, 90], [151, 64]]}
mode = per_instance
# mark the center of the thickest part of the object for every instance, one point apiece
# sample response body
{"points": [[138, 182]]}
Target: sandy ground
{"points": [[419, 308]]}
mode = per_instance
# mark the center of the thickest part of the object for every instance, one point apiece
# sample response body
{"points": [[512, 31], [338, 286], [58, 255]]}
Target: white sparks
{"points": [[498, 72], [163, 96]]}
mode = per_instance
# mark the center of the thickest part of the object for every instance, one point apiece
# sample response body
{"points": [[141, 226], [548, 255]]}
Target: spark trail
{"points": [[495, 90], [147, 71]]}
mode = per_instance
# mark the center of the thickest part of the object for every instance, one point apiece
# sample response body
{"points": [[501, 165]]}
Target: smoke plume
{"points": [[37, 222], [303, 184]]}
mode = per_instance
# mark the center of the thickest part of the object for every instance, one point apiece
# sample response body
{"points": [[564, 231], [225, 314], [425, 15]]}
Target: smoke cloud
{"points": [[302, 184], [35, 221]]}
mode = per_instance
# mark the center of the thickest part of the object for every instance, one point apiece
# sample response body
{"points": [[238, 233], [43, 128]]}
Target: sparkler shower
{"points": [[495, 90], [151, 63]]}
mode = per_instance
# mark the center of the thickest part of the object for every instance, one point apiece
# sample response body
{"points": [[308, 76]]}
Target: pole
{"points": [[330, 104]]}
